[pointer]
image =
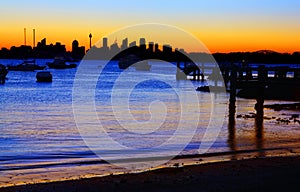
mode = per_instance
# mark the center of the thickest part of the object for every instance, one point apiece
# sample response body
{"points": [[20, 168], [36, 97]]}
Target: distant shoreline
{"points": [[256, 174], [259, 57]]}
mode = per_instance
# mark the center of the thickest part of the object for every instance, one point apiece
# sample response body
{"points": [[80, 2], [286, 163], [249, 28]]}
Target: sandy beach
{"points": [[258, 174]]}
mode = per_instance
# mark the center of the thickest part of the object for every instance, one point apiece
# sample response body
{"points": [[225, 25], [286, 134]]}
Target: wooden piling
{"points": [[259, 106]]}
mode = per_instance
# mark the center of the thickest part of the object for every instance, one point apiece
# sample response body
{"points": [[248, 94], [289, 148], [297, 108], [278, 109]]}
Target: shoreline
{"points": [[261, 173], [96, 168]]}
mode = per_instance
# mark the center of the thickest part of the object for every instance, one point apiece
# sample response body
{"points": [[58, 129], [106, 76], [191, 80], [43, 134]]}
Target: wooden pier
{"points": [[245, 76], [259, 83]]}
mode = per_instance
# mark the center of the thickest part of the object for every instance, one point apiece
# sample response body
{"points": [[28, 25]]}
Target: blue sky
{"points": [[60, 19]]}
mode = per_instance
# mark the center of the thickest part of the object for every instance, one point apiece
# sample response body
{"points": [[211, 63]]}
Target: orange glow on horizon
{"points": [[228, 26], [215, 41]]}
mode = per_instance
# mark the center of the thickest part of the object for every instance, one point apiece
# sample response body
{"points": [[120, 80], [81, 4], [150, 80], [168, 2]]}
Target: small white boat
{"points": [[43, 76]]}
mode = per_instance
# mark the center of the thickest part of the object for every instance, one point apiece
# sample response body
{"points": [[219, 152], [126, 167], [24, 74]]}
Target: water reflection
{"points": [[232, 109], [231, 129], [259, 126]]}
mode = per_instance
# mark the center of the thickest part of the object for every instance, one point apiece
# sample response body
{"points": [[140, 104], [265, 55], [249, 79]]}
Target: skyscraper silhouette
{"points": [[143, 43], [90, 36], [151, 46], [104, 43], [124, 44], [132, 44]]}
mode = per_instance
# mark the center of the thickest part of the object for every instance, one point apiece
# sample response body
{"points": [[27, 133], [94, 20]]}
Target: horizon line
{"points": [[190, 52]]}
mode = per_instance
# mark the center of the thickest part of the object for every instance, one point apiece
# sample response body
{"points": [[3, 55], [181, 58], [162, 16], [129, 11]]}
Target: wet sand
{"points": [[258, 174]]}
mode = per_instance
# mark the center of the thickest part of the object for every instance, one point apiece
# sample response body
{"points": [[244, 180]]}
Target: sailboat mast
{"points": [[25, 36], [33, 38]]}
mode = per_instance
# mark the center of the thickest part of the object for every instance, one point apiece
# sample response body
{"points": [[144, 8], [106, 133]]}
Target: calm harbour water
{"points": [[38, 128]]}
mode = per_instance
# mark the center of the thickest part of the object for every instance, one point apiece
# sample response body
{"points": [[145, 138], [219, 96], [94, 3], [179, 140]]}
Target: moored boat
{"points": [[60, 63], [3, 73], [44, 76], [26, 66]]}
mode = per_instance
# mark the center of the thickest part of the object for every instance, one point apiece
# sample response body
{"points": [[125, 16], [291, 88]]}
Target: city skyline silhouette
{"points": [[106, 51]]}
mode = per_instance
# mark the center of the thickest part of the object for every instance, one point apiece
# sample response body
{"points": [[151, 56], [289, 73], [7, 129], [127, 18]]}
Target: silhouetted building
{"points": [[143, 43], [42, 43], [104, 43], [124, 44], [59, 48], [4, 53], [132, 44], [114, 48], [22, 52], [167, 48], [75, 45], [77, 52], [42, 50], [156, 49], [151, 46]]}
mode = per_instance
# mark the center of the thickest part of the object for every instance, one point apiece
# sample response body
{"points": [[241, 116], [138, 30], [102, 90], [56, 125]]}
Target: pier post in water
{"points": [[232, 109], [202, 70], [232, 99], [233, 82], [259, 107]]}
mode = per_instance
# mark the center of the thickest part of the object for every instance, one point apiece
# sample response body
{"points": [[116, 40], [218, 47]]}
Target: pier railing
{"points": [[245, 74]]}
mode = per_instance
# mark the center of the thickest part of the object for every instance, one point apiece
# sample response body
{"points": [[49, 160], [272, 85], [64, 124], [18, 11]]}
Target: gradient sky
{"points": [[222, 25]]}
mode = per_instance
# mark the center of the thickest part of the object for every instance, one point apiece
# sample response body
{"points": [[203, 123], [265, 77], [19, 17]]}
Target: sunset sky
{"points": [[222, 25]]}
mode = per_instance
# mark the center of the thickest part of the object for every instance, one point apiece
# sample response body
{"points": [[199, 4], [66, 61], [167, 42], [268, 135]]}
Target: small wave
{"points": [[68, 155], [81, 160]]}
